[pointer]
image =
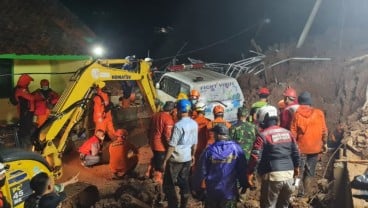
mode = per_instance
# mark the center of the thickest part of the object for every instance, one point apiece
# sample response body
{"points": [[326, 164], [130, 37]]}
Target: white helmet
{"points": [[200, 106], [148, 59], [2, 169], [266, 112]]}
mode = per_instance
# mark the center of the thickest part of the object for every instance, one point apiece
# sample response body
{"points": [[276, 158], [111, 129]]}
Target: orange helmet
{"points": [[263, 91], [290, 92], [44, 82], [194, 93], [281, 104], [218, 109]]}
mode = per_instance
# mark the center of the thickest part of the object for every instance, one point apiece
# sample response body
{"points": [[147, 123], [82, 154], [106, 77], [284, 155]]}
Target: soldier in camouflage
{"points": [[243, 132]]}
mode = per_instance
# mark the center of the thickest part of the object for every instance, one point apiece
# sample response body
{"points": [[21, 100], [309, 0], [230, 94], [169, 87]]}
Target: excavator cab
{"points": [[21, 166]]}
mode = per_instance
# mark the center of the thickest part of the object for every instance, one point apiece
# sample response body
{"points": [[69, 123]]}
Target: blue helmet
{"points": [[184, 106]]}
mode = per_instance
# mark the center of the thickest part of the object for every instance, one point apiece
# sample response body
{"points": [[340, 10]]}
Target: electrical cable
{"points": [[213, 43]]}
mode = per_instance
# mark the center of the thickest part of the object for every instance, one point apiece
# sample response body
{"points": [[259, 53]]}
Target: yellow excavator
{"points": [[48, 148]]}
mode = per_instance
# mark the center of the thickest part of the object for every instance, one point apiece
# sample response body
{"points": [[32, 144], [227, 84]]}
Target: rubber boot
{"points": [[184, 201], [172, 199], [308, 185]]}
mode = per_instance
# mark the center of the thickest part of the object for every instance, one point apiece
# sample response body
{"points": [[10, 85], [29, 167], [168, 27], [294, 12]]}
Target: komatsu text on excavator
{"points": [[51, 142]]}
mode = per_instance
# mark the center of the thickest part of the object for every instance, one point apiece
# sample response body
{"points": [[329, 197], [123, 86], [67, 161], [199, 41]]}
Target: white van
{"points": [[214, 88]]}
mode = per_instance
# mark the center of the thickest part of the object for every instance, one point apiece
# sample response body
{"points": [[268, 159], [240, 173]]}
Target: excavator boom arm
{"points": [[76, 96]]}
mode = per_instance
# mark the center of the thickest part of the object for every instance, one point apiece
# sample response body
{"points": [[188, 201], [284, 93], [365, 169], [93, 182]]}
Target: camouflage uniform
{"points": [[244, 133]]}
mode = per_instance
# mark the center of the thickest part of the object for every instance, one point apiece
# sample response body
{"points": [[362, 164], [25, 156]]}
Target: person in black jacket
{"points": [[276, 153], [46, 193]]}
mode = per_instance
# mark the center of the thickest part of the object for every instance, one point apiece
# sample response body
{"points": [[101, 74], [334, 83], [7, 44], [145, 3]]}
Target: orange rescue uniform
{"points": [[101, 115], [44, 101], [309, 128], [211, 124], [202, 135], [120, 159], [160, 131]]}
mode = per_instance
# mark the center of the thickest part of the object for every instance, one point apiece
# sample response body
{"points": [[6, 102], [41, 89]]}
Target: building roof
{"points": [[43, 27]]}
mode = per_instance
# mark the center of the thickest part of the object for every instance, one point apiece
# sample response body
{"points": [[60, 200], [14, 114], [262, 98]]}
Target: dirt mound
{"points": [[338, 86]]}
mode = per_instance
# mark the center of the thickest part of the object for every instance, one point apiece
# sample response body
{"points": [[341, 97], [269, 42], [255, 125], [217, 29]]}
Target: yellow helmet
{"points": [[182, 96]]}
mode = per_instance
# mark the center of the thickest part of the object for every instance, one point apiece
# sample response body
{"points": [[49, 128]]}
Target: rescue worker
{"points": [[90, 151], [3, 201], [263, 94], [336, 137], [120, 159], [159, 134], [291, 105], [276, 154], [45, 99], [309, 128], [174, 114], [180, 157], [102, 111], [222, 166], [243, 132], [128, 94], [26, 110], [202, 122], [218, 112], [193, 98]]}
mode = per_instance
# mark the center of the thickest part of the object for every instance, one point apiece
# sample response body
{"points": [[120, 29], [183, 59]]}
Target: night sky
{"points": [[211, 30]]}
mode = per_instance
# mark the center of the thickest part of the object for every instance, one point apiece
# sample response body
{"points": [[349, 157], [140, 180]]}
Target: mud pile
{"points": [[338, 86], [132, 193], [356, 136]]}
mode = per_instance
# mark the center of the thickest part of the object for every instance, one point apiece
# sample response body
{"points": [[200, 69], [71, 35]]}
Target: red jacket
{"points": [[287, 115], [274, 149], [44, 99], [309, 129], [87, 145], [25, 99], [160, 131]]}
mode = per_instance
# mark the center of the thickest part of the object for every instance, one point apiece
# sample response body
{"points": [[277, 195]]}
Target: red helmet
{"points": [[44, 82], [218, 109], [263, 91], [290, 92]]}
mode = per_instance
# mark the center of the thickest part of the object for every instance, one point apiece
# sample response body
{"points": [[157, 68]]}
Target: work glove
{"points": [[250, 179], [296, 172]]}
